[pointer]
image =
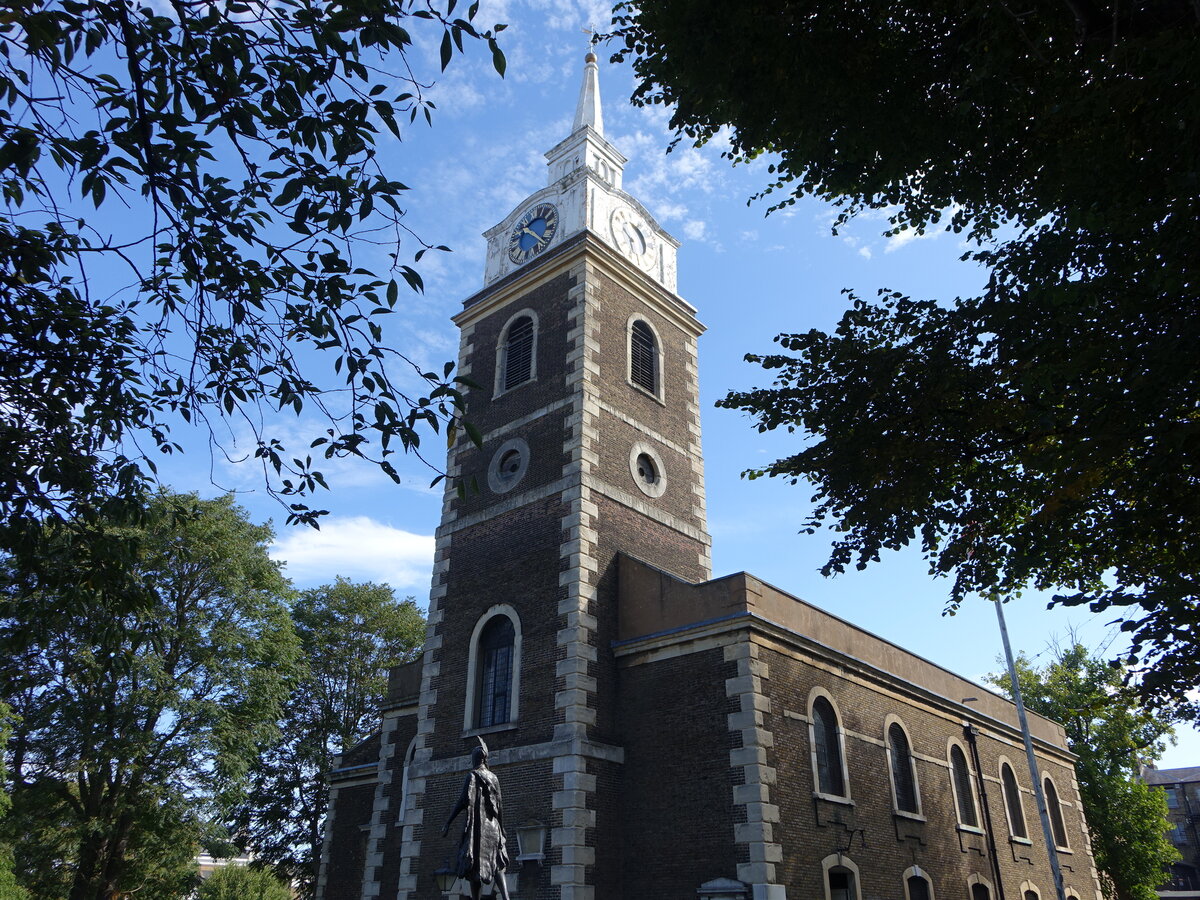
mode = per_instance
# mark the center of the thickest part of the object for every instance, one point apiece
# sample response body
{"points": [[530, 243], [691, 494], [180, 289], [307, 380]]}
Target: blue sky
{"points": [[750, 276]]}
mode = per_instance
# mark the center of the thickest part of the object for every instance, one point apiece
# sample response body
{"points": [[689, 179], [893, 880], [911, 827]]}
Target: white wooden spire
{"points": [[587, 111]]}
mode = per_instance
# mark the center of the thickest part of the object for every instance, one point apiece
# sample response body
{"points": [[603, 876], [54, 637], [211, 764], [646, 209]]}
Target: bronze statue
{"points": [[482, 853]]}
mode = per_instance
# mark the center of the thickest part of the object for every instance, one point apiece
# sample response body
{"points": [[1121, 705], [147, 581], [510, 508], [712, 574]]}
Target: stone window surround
{"points": [[497, 484], [812, 751], [971, 777], [1020, 802], [469, 712], [502, 349], [405, 791], [975, 878], [659, 392], [659, 487], [917, 872], [840, 860], [1064, 847]]}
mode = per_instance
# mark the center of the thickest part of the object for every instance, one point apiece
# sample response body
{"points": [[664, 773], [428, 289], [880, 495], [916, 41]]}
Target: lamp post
{"points": [[1047, 834]]}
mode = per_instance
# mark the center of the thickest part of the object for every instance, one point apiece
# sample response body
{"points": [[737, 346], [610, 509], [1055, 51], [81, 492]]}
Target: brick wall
{"points": [[676, 801], [884, 844]]}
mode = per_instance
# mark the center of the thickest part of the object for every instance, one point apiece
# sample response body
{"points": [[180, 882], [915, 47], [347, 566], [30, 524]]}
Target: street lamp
{"points": [[445, 877]]}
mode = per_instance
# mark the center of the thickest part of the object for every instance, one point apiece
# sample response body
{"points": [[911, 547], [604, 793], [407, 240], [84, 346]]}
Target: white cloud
{"points": [[695, 229], [864, 252], [906, 237], [360, 549]]}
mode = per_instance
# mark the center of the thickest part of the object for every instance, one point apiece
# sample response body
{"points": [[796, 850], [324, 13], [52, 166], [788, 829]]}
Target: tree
{"points": [[186, 186], [9, 889], [1113, 735], [136, 723], [242, 883], [1044, 433], [350, 634]]}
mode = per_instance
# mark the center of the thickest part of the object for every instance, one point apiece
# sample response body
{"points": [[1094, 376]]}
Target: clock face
{"points": [[533, 233], [632, 236]]}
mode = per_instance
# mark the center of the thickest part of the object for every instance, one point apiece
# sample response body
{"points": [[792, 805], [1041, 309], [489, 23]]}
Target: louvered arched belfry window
{"points": [[643, 357], [517, 357]]}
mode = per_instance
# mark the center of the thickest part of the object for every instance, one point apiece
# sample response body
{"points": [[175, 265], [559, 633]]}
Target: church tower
{"points": [[586, 402]]}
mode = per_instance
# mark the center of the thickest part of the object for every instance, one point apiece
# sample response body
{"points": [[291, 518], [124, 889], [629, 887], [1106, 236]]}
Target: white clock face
{"points": [[632, 236]]}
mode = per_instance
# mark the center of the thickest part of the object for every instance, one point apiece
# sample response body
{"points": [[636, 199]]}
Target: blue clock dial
{"points": [[533, 232]]}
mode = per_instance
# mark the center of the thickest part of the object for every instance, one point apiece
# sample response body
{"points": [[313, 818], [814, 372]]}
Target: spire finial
{"points": [[587, 112], [592, 34]]}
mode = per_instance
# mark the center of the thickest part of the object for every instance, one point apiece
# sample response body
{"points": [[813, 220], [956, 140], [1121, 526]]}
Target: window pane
{"points": [[902, 770], [980, 892], [494, 687], [962, 788], [1056, 816], [1012, 799], [643, 358], [830, 778]]}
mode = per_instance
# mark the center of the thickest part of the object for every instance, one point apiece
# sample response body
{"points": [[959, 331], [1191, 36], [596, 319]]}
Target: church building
{"points": [[659, 733]]}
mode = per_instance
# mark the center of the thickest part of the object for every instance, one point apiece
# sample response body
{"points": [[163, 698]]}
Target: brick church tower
{"points": [[585, 361], [656, 732]]}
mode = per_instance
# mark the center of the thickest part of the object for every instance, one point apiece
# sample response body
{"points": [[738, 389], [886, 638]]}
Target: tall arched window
{"points": [[827, 747], [1012, 802], [979, 887], [904, 776], [516, 351], [1054, 807], [643, 356], [964, 795], [494, 672]]}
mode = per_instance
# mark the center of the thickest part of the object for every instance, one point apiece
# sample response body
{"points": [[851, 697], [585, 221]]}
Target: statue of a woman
{"points": [[482, 853]]}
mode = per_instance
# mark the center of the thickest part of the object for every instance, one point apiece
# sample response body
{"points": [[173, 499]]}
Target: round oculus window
{"points": [[646, 467], [508, 466]]}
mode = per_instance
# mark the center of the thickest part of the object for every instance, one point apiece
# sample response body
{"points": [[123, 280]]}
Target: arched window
{"points": [[1054, 807], [979, 887], [1029, 891], [405, 791], [643, 356], [841, 877], [516, 358], [964, 796], [493, 687], [904, 776], [916, 887], [827, 747], [494, 670], [1012, 802]]}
